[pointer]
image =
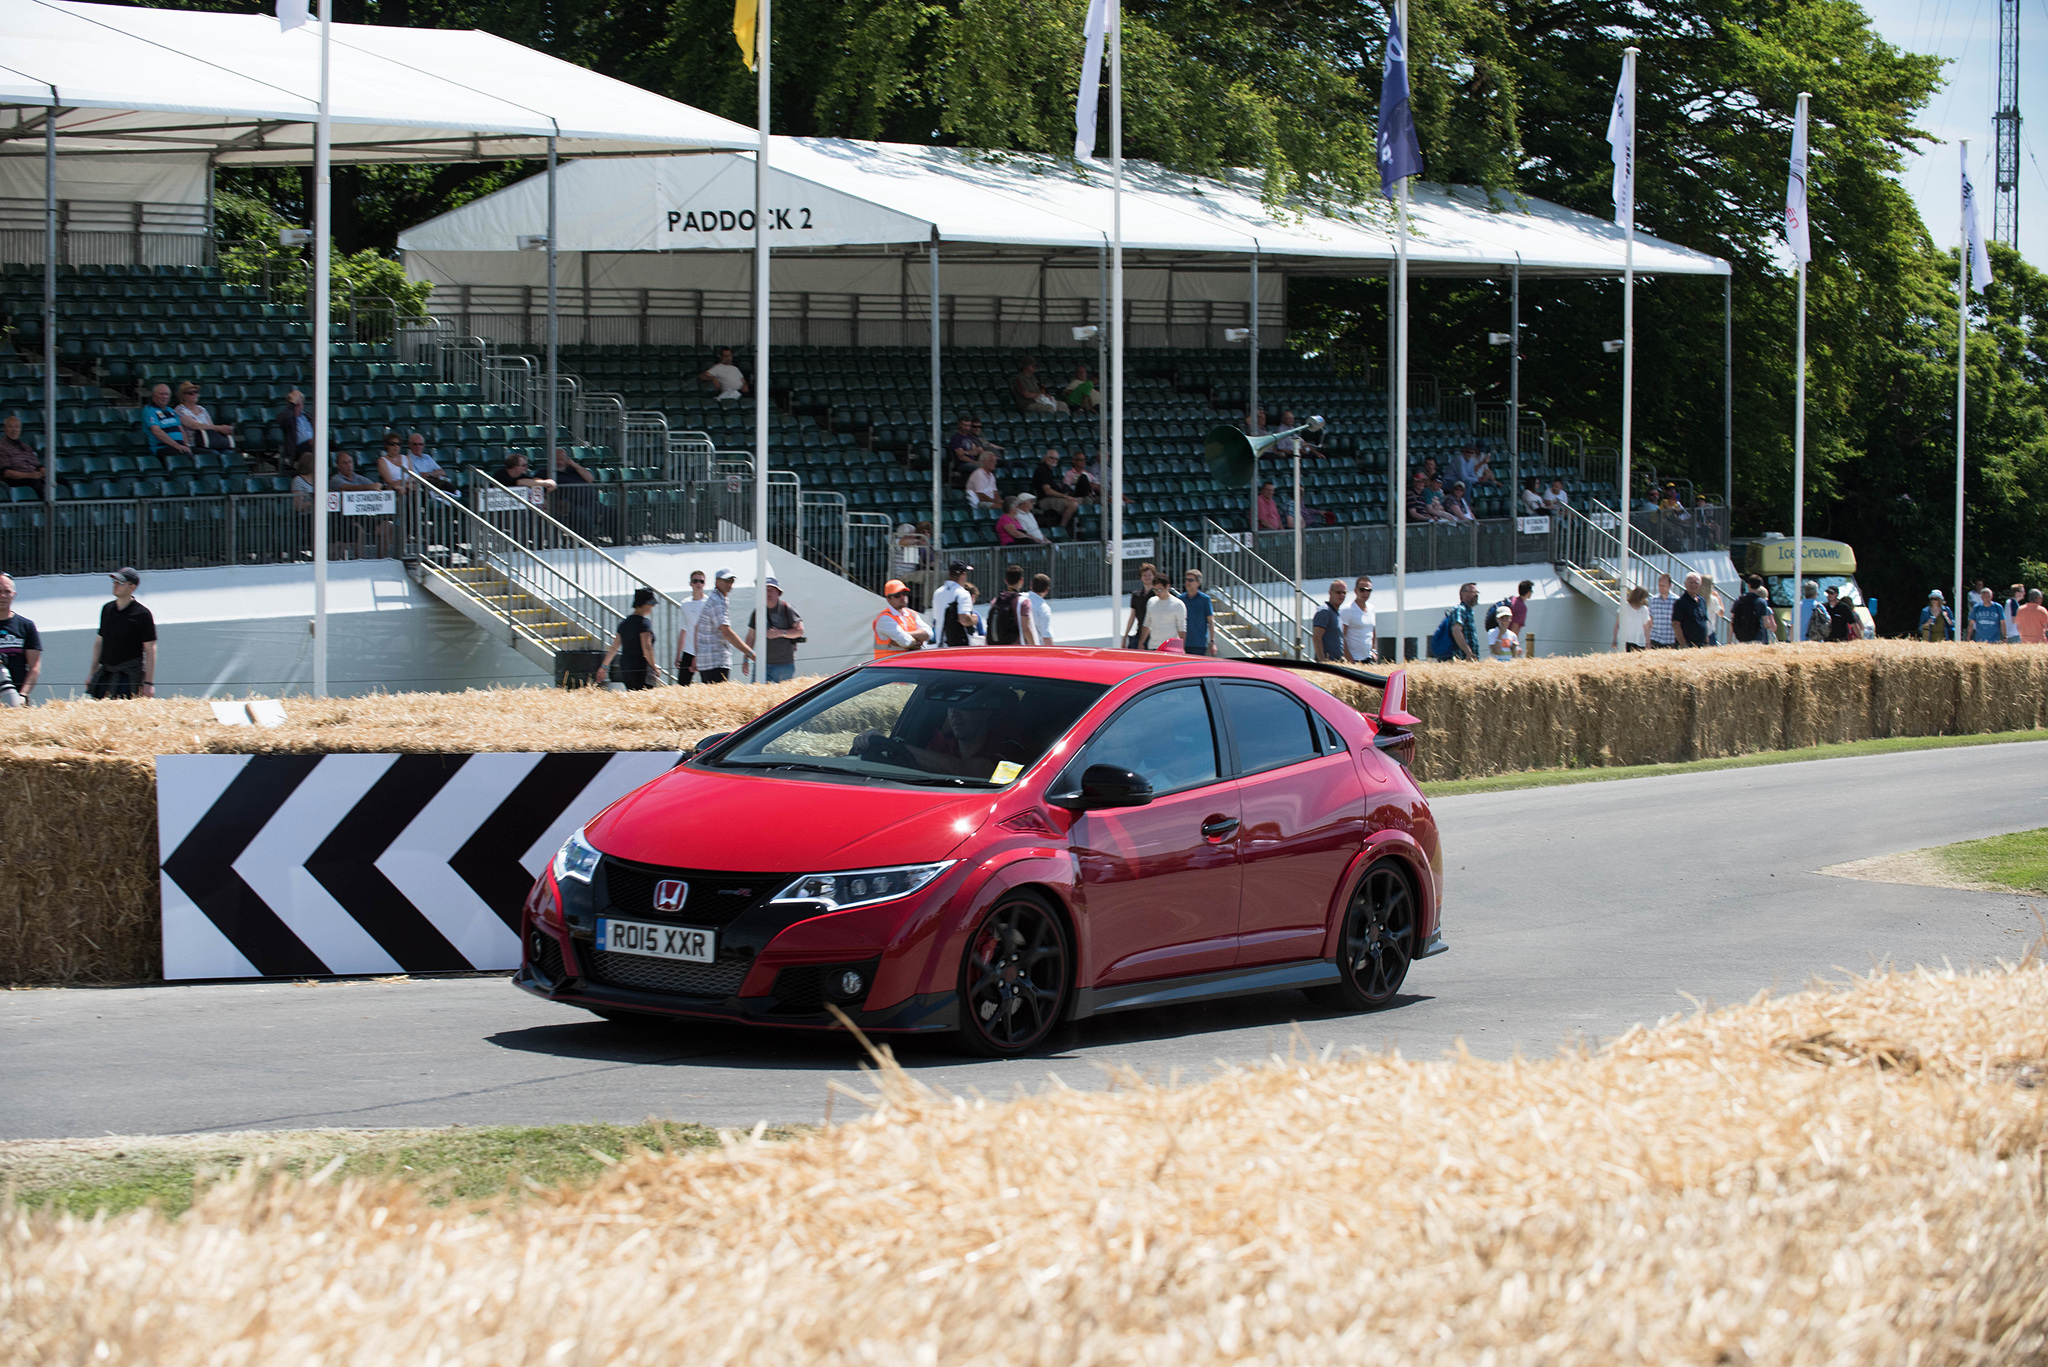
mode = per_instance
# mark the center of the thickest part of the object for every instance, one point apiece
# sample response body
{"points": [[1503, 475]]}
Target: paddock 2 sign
{"points": [[706, 219]]}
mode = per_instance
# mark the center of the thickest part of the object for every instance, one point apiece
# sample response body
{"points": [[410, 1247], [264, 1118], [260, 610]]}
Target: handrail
{"points": [[1248, 562], [1582, 542], [1178, 552]]}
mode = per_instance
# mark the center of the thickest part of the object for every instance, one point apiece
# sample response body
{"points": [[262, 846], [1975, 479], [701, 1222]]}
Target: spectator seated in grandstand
{"points": [[202, 433], [1471, 468], [19, 463], [963, 453], [1456, 507], [1271, 519], [1080, 393], [1017, 526], [724, 376], [1030, 394], [302, 482], [161, 430], [1295, 445], [1532, 502], [568, 470], [347, 477], [1668, 501], [1420, 509], [518, 474], [1075, 481], [1556, 497], [982, 494], [423, 463], [1048, 486], [297, 425], [1311, 516]]}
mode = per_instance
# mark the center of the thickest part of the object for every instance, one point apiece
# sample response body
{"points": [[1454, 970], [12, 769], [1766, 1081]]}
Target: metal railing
{"points": [[108, 232], [1590, 543], [1240, 555], [535, 572], [1271, 626], [83, 536]]}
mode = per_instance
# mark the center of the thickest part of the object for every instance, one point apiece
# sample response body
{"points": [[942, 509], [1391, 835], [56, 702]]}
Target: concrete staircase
{"points": [[529, 623]]}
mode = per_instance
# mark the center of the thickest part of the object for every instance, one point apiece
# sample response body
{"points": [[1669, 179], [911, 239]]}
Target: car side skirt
{"points": [[1201, 987]]}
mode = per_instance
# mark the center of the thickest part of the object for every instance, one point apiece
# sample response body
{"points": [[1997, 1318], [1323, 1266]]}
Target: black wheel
{"points": [[1377, 944], [1013, 978]]}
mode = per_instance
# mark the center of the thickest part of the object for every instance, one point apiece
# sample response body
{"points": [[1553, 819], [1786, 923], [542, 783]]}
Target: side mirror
{"points": [[1105, 786], [706, 743]]}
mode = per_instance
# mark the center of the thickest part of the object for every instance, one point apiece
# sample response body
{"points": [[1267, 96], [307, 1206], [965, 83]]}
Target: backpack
{"points": [[1002, 620], [1818, 623], [1441, 646], [1749, 611]]}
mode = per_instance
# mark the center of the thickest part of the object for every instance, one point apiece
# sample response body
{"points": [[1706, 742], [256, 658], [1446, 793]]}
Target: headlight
{"points": [[576, 860], [842, 890]]}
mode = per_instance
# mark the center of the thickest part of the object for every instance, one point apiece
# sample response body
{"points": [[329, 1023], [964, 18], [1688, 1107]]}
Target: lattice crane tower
{"points": [[2005, 192]]}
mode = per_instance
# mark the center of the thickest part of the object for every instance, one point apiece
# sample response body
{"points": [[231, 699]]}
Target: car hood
{"points": [[708, 819]]}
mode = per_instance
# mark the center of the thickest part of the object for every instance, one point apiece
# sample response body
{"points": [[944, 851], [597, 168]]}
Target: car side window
{"points": [[1333, 744], [1272, 727], [1165, 737]]}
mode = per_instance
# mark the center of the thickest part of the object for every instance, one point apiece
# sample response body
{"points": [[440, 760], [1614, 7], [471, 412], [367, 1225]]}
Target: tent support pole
{"points": [[1101, 358], [1728, 395], [763, 307], [50, 335], [554, 323], [1113, 533], [1515, 391], [1251, 407], [938, 423], [323, 251]]}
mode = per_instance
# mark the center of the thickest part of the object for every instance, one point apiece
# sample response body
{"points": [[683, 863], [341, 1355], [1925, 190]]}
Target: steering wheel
{"points": [[873, 745]]}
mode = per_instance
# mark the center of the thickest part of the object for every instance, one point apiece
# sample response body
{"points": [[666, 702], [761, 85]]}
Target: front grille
{"points": [[646, 974], [549, 961], [800, 991], [714, 898]]}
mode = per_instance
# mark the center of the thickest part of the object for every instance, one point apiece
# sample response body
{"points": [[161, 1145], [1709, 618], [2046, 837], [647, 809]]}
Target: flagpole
{"points": [[1116, 316], [762, 308], [1955, 606], [322, 226], [1628, 328], [1401, 412], [1799, 628]]}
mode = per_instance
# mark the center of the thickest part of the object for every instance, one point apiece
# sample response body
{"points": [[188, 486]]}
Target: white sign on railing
{"points": [[1533, 526], [1606, 522], [1223, 543], [373, 503], [1138, 548], [512, 500]]}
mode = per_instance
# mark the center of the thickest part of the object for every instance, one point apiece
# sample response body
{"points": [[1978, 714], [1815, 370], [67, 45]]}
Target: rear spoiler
{"points": [[1393, 723]]}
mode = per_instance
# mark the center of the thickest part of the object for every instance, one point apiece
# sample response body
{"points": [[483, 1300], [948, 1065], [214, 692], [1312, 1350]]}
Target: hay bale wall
{"points": [[77, 779]]}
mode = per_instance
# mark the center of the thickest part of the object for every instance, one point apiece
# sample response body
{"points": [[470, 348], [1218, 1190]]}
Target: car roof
{"points": [[1081, 663]]}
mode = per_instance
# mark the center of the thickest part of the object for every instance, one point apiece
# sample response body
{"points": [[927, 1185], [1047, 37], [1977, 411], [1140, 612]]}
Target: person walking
{"points": [[949, 600], [1689, 616], [714, 637], [897, 629], [1810, 618], [1134, 625], [1361, 632], [1038, 603], [1327, 630], [633, 646], [1200, 609], [2032, 620], [21, 650], [785, 634], [1936, 624], [1004, 629], [1750, 611], [1987, 620], [686, 645], [1166, 617], [1663, 636], [2014, 601], [124, 652], [1632, 621]]}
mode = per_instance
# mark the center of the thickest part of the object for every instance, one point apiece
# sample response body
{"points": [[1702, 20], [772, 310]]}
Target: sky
{"points": [[1966, 32]]}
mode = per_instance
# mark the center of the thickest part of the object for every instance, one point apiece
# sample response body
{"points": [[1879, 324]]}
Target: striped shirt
{"points": [[1661, 633], [712, 650]]}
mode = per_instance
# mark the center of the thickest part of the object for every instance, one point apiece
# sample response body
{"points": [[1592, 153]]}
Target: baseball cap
{"points": [[894, 587], [131, 576], [723, 572], [958, 567]]}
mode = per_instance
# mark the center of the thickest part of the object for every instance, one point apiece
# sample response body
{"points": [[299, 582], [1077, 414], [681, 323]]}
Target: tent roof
{"points": [[236, 87], [838, 196]]}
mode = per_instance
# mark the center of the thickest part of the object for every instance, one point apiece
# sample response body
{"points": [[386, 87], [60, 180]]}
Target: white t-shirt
{"points": [[1360, 632], [729, 380], [1501, 643], [981, 489], [1041, 618], [1635, 624], [1165, 618], [689, 608], [948, 601], [1028, 525]]}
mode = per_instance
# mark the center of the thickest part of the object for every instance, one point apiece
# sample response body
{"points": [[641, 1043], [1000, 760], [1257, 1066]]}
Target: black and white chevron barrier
{"points": [[292, 865]]}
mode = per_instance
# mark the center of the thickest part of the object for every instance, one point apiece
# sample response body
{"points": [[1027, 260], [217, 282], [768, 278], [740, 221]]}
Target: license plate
{"points": [[657, 941]]}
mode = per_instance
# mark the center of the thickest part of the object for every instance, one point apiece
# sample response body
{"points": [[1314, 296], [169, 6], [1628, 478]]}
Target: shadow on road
{"points": [[722, 1044]]}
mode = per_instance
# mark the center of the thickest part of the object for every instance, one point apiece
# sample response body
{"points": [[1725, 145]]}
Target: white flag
{"points": [[1796, 236], [1090, 94], [292, 13], [1621, 136], [1973, 236]]}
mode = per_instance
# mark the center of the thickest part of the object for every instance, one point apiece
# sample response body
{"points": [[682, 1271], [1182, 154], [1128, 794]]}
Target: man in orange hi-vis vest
{"points": [[898, 630]]}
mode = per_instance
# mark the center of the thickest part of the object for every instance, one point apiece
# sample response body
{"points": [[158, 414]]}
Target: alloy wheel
{"points": [[1014, 979]]}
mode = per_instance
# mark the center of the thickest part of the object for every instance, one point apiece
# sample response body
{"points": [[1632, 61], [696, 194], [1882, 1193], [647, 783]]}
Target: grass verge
{"points": [[457, 1164], [1549, 778], [2018, 861]]}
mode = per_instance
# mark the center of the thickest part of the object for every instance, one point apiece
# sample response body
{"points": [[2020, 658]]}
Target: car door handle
{"points": [[1219, 828]]}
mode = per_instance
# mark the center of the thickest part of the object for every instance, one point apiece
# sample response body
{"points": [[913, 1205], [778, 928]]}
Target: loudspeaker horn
{"points": [[1232, 456]]}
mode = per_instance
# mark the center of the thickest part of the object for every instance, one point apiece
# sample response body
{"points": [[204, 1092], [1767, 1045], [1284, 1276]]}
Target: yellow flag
{"points": [[744, 14]]}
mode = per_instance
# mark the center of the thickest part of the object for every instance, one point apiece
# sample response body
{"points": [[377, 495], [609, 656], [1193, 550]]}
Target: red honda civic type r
{"points": [[996, 841]]}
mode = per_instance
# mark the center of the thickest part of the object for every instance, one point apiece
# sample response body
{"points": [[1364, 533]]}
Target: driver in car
{"points": [[966, 743]]}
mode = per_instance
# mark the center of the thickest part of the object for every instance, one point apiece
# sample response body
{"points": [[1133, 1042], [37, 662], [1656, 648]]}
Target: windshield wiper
{"points": [[945, 781], [793, 764]]}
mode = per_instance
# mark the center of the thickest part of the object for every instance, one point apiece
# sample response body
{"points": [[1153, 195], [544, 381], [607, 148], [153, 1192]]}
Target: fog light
{"points": [[537, 947], [850, 983]]}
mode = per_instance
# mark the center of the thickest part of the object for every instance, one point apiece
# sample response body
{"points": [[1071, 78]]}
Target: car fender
{"points": [[910, 969], [1379, 845]]}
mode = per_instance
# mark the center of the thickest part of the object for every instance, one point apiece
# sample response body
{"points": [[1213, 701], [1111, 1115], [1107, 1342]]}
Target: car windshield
{"points": [[1781, 587], [942, 728]]}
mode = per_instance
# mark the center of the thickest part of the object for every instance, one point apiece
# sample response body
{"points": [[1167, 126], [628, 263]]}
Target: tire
{"points": [[1015, 976], [1375, 944]]}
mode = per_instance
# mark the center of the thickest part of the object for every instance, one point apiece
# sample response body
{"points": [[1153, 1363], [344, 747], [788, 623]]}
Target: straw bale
{"points": [[1842, 1176], [78, 891]]}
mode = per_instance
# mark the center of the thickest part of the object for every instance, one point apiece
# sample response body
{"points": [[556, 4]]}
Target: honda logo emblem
{"points": [[669, 894]]}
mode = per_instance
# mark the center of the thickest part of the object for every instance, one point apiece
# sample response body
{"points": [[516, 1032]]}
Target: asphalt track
{"points": [[1573, 913]]}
